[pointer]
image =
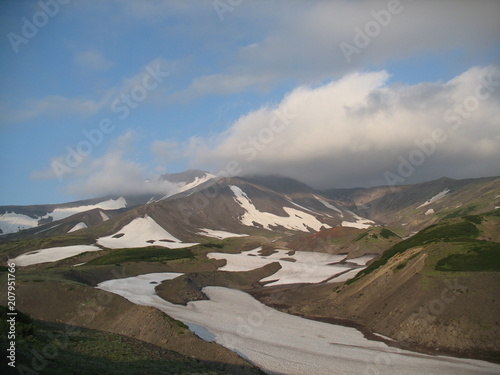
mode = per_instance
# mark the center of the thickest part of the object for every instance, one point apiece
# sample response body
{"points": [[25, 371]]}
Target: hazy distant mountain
{"points": [[16, 218]]}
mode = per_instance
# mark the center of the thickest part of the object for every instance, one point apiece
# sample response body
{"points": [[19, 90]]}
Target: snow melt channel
{"points": [[280, 343]]}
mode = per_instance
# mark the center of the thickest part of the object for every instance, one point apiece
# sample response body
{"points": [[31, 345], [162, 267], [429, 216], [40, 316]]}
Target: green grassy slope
{"points": [[58, 349], [479, 255]]}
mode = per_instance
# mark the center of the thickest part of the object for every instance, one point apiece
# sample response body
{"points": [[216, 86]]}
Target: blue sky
{"points": [[224, 68]]}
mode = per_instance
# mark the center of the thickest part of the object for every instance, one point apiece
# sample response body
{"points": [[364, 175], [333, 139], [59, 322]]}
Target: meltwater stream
{"points": [[280, 343]]}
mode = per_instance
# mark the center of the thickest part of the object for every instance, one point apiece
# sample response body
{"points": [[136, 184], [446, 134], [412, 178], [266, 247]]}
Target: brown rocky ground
{"points": [[188, 287]]}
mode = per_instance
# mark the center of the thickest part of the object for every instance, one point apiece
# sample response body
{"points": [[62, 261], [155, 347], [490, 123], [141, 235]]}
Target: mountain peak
{"points": [[186, 177]]}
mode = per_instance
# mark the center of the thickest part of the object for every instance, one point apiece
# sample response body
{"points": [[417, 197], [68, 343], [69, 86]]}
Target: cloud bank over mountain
{"points": [[359, 129]]}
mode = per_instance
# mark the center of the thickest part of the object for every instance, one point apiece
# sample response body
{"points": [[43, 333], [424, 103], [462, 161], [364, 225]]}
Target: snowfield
{"points": [[300, 267], [62, 213], [180, 187], [435, 198], [142, 232], [51, 254], [296, 220], [360, 223], [80, 225], [197, 181], [11, 222], [280, 343], [220, 234], [104, 216]]}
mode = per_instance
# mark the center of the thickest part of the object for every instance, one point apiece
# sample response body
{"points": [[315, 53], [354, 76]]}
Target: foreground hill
{"points": [[85, 351]]}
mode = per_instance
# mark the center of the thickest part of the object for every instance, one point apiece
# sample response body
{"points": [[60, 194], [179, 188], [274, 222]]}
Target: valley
{"points": [[349, 281]]}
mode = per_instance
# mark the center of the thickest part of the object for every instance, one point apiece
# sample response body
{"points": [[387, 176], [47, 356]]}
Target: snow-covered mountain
{"points": [[188, 179], [16, 218], [207, 207]]}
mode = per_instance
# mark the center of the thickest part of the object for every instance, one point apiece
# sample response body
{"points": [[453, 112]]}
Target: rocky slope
{"points": [[438, 290]]}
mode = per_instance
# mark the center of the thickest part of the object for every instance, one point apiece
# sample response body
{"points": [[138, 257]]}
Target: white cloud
{"points": [[115, 173], [303, 43], [352, 130], [92, 59]]}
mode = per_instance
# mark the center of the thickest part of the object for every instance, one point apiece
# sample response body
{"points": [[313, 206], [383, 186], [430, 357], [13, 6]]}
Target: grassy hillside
{"points": [[436, 291], [477, 257], [59, 349], [145, 254], [464, 230]]}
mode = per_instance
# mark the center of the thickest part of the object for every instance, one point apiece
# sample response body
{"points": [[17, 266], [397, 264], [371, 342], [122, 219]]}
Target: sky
{"points": [[102, 97]]}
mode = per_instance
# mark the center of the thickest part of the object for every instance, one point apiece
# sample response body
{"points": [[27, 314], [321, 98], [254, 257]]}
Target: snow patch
{"points": [[104, 216], [142, 232], [435, 198], [220, 234], [197, 181], [80, 225], [328, 205], [51, 254], [182, 186], [110, 204], [11, 222], [360, 223], [362, 260], [299, 267], [304, 208], [280, 343], [345, 276], [296, 220], [411, 234], [430, 211]]}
